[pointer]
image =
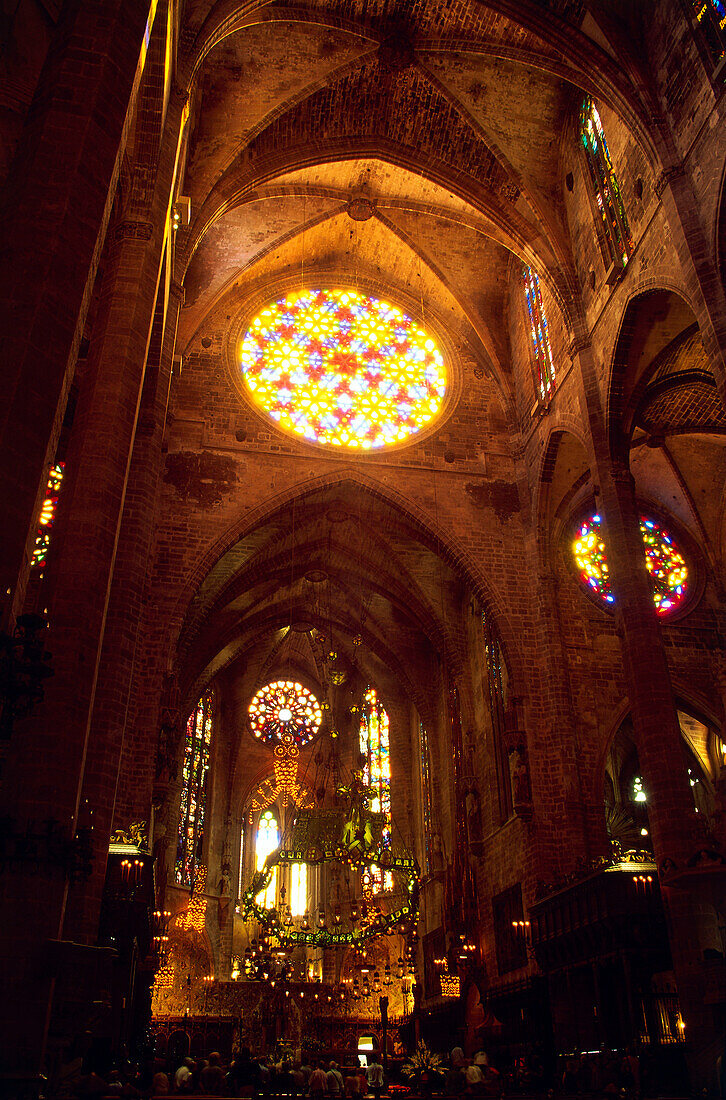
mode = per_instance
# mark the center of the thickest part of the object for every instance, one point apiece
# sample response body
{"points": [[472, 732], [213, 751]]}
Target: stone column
{"points": [[675, 828], [122, 657], [54, 211], [48, 754]]}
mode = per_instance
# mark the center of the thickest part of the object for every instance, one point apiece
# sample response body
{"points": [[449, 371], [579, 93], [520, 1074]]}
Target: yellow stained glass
{"points": [[343, 369]]}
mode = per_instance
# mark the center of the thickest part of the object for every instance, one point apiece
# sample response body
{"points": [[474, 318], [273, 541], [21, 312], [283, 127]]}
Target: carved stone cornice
{"points": [[134, 229]]}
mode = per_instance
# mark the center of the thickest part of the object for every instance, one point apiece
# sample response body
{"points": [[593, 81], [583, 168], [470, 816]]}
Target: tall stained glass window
{"points": [[192, 809], [268, 839], [664, 561], [426, 799], [298, 889], [495, 687], [539, 333], [343, 369], [605, 187], [711, 18], [47, 514], [375, 749]]}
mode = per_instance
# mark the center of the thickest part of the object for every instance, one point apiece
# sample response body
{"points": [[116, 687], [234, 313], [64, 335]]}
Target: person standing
{"points": [[335, 1081], [374, 1076], [318, 1082]]}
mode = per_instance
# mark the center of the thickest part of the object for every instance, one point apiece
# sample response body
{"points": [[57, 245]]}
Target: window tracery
{"points": [[605, 187], [285, 709], [667, 568], [539, 333], [193, 804], [343, 369], [374, 743]]}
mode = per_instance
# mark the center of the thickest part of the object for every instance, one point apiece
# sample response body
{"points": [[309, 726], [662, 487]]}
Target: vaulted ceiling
{"points": [[407, 145]]}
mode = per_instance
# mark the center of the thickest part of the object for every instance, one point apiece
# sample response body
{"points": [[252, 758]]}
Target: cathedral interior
{"points": [[363, 570]]}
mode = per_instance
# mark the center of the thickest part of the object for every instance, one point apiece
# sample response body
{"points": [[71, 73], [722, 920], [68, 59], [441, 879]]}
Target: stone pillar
{"points": [[123, 640], [675, 828], [54, 211], [48, 754]]}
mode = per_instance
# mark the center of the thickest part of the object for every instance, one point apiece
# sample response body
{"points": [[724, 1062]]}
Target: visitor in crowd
{"points": [[352, 1086], [455, 1082], [212, 1077], [363, 1080], [160, 1084], [474, 1078], [244, 1074], [374, 1076], [183, 1078], [318, 1082], [335, 1084], [458, 1061]]}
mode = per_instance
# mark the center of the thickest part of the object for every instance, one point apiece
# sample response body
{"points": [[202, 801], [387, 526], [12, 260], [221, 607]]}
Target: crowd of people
{"points": [[247, 1076], [604, 1073]]}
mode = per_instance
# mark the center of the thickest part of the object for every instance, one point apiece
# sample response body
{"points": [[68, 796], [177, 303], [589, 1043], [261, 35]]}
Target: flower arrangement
{"points": [[423, 1065]]}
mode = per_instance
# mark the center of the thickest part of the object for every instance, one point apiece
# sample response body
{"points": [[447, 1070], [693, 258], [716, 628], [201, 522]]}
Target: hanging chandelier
{"points": [[352, 836]]}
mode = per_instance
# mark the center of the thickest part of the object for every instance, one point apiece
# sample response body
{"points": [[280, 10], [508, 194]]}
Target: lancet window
{"points": [[426, 799], [268, 839], [47, 514], [193, 805], [495, 687], [375, 749], [615, 231], [539, 334]]}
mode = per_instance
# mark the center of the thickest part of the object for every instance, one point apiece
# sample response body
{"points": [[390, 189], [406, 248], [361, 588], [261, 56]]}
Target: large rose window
{"points": [[285, 711], [343, 369]]}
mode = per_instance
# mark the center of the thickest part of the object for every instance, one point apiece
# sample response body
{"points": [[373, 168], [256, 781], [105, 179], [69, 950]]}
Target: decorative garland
{"points": [[351, 836]]}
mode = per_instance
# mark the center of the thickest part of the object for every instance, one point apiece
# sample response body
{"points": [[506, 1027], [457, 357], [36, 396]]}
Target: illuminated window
{"points": [[639, 794], [298, 889], [343, 369], [192, 809], [711, 18], [284, 707], [664, 561], [268, 839], [540, 333], [375, 749], [605, 188], [47, 514], [426, 808]]}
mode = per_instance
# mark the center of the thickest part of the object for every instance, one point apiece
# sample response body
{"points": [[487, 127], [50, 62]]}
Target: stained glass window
{"points": [[283, 707], [540, 333], [495, 687], [343, 369], [605, 187], [426, 808], [663, 559], [711, 18], [47, 514], [298, 889], [192, 809], [268, 839], [375, 749]]}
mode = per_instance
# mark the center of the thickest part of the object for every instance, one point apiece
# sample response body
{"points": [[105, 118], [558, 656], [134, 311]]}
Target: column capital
{"points": [[579, 344]]}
